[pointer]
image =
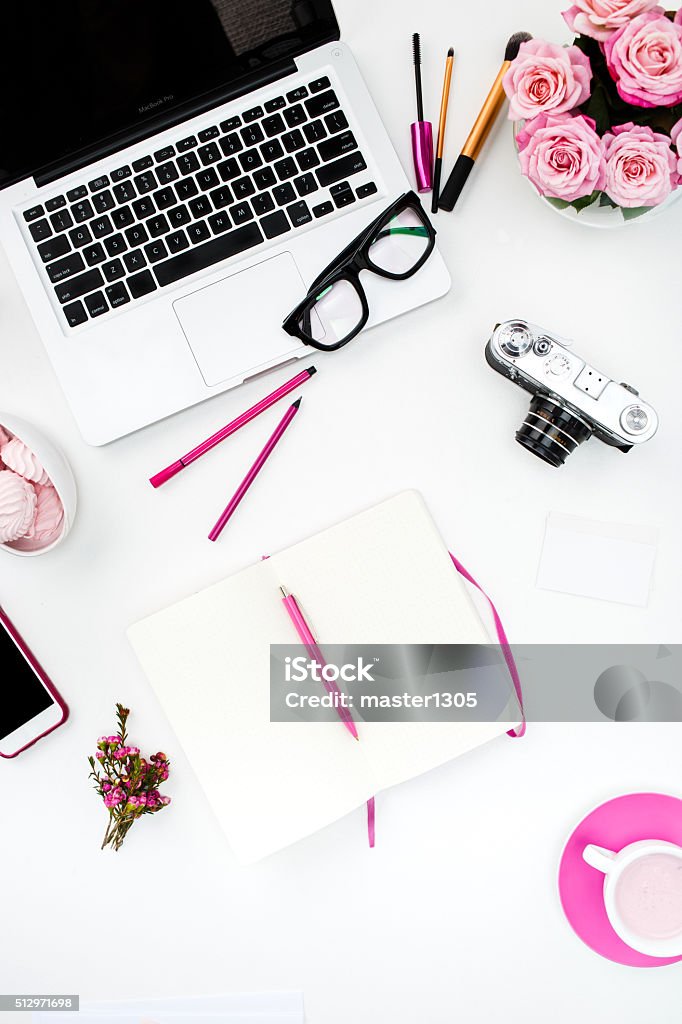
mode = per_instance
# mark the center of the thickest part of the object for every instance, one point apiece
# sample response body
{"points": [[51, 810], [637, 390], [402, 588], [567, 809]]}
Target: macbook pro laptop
{"points": [[173, 174]]}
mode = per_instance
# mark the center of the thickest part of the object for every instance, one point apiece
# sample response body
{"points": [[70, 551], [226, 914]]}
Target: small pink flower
{"points": [[100, 755], [114, 798], [645, 60], [546, 78], [133, 751], [562, 156], [641, 169], [165, 800], [599, 19]]}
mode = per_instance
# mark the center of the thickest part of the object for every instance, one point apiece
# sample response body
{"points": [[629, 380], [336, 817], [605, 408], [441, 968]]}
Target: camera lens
{"points": [[515, 339], [551, 432]]}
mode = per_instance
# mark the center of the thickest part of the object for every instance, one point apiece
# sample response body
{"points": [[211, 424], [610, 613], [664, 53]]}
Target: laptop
{"points": [[173, 175]]}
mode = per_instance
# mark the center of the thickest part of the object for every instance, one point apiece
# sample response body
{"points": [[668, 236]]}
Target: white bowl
{"points": [[57, 468]]}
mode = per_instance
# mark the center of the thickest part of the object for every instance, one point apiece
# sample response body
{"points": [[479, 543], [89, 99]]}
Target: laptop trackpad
{"points": [[234, 326]]}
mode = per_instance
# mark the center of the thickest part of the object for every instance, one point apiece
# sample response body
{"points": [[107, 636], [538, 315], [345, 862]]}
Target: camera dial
{"points": [[634, 419], [515, 339]]}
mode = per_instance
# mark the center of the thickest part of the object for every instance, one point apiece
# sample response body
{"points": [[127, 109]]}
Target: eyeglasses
{"points": [[395, 245]]}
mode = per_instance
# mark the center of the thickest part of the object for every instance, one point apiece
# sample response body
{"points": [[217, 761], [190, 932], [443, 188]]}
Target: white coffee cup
{"points": [[643, 896]]}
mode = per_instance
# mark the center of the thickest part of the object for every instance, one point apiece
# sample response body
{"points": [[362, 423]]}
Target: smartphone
{"points": [[30, 706]]}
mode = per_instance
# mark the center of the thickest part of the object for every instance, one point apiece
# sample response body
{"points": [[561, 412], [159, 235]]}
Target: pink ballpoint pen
{"points": [[310, 643], [231, 428], [254, 471]]}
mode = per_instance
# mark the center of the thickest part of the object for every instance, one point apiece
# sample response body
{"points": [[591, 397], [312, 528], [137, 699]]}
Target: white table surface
{"points": [[454, 915]]}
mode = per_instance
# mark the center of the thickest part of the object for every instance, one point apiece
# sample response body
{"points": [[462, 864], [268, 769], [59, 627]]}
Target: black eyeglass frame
{"points": [[348, 265]]}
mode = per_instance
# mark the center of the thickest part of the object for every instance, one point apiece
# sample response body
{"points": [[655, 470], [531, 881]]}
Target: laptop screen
{"points": [[76, 72]]}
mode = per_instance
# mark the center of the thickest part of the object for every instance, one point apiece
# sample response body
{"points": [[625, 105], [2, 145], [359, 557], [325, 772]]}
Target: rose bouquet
{"points": [[600, 121]]}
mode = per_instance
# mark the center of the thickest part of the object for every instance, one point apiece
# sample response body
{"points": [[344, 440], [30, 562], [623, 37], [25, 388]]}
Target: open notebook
{"points": [[383, 576]]}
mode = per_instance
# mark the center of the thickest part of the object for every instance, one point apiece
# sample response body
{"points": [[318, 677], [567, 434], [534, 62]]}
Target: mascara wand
{"points": [[481, 130], [422, 132]]}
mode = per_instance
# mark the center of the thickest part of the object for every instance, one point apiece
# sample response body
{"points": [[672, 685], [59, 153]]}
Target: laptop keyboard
{"points": [[190, 205]]}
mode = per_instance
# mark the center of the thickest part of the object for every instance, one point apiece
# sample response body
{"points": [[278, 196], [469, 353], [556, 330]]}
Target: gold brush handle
{"points": [[486, 119]]}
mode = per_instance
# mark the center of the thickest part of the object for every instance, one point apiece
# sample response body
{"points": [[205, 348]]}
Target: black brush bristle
{"points": [[417, 49], [514, 44], [417, 52]]}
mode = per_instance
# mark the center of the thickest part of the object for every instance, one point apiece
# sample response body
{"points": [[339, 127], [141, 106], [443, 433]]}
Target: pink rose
{"points": [[563, 156], [545, 78], [599, 19], [676, 136], [641, 169], [645, 60]]}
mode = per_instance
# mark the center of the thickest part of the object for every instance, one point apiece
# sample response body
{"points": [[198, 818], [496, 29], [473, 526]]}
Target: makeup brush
{"points": [[445, 99], [422, 132], [479, 133]]}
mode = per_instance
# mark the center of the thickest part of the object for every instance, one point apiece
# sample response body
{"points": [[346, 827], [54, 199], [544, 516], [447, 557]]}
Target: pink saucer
{"points": [[615, 824]]}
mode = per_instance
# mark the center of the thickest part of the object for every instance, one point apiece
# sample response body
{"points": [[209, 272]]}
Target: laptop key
{"points": [[166, 173], [200, 207], [40, 229], [164, 154], [82, 211], [188, 163], [299, 214], [123, 217], [202, 256], [125, 191], [177, 241], [252, 135], [231, 124], [164, 198], [145, 182], [101, 226], [219, 222], [55, 203], [54, 247], [228, 169], [284, 194], [272, 150], [98, 183], [337, 146], [344, 196], [209, 154], [80, 192], [265, 178], [295, 115], [61, 220], [321, 103], [156, 251], [207, 179], [319, 84], [198, 232], [75, 314], [241, 213], [144, 207], [339, 169], [94, 254], [209, 133], [221, 197], [33, 213], [178, 216], [323, 209], [61, 269], [117, 295], [74, 287], [103, 201], [115, 244], [143, 163], [113, 270], [336, 122], [120, 173], [275, 224], [314, 131], [305, 184], [141, 284], [231, 144], [293, 141], [157, 226], [275, 104], [366, 190], [250, 160], [184, 144], [274, 125], [96, 304], [286, 168], [253, 114], [243, 188], [262, 204], [186, 189], [297, 94], [307, 158], [136, 235], [80, 236], [134, 260]]}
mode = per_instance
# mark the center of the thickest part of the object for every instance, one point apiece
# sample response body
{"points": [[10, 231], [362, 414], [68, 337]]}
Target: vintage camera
{"points": [[571, 400]]}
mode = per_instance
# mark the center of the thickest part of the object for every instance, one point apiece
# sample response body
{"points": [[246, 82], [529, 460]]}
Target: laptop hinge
{"points": [[144, 130]]}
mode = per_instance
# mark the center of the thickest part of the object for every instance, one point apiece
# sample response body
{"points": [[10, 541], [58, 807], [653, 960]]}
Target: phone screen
{"points": [[22, 695]]}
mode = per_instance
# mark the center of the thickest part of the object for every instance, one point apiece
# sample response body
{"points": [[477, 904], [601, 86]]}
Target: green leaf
{"points": [[560, 204], [606, 200], [632, 212], [582, 204]]}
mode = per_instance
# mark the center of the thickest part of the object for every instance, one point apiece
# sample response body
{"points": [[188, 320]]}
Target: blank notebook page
{"points": [[383, 576]]}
